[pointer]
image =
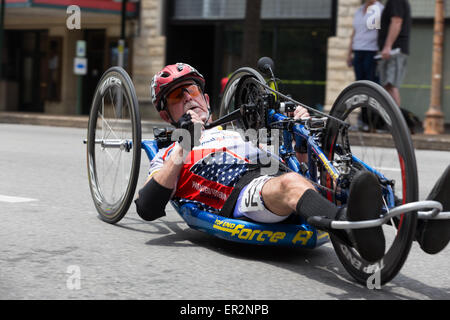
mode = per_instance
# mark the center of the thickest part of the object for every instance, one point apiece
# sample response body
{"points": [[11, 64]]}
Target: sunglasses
{"points": [[176, 95]]}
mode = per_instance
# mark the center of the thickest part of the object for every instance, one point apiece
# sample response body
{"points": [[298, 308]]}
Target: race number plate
{"points": [[252, 200]]}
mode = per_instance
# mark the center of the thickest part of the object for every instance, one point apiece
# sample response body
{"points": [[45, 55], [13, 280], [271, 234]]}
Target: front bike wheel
{"points": [[388, 152], [114, 145]]}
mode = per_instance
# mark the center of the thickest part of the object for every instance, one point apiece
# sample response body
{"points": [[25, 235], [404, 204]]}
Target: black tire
{"points": [[237, 92], [366, 94], [114, 116]]}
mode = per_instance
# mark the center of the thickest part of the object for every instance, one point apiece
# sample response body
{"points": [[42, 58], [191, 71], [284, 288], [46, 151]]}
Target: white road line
{"points": [[10, 199]]}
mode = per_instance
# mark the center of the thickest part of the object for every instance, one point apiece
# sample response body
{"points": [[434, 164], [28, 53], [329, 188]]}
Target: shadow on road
{"points": [[320, 264]]}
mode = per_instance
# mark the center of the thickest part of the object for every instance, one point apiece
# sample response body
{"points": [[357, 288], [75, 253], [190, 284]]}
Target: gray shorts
{"points": [[392, 70]]}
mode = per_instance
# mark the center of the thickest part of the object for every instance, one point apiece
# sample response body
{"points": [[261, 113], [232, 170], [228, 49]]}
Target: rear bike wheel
{"points": [[114, 145], [389, 150]]}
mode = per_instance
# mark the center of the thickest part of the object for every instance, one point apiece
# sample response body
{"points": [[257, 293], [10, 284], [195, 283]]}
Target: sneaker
{"points": [[365, 203], [434, 235]]}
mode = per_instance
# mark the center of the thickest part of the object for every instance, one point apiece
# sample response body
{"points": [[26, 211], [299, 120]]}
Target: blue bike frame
{"points": [[301, 133]]}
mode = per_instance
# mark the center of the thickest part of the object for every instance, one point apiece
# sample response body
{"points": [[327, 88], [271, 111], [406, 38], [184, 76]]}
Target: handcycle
{"points": [[336, 150]]}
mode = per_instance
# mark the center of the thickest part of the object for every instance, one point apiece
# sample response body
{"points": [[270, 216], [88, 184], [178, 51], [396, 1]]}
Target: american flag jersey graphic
{"points": [[212, 169]]}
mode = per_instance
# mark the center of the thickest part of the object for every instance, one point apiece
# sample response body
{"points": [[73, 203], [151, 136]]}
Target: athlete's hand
{"points": [[301, 113], [199, 126], [191, 123], [195, 118]]}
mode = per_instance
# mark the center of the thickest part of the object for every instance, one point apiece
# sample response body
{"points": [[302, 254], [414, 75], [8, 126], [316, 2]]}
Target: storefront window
{"points": [[299, 53], [235, 9]]}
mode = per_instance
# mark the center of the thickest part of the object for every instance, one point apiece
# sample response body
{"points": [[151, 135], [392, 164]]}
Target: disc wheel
{"points": [[113, 145], [388, 149]]}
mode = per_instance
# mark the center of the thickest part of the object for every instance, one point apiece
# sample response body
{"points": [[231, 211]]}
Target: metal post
{"points": [[79, 105], [121, 44], [434, 118], [122, 22]]}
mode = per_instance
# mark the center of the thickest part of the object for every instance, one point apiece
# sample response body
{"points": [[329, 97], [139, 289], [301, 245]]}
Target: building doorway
{"points": [[33, 82], [26, 60], [96, 57]]}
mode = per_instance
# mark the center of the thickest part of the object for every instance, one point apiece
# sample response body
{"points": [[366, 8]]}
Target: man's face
{"points": [[187, 96]]}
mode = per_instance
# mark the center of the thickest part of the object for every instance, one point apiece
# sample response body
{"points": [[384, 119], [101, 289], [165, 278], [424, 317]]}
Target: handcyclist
{"points": [[219, 173]]}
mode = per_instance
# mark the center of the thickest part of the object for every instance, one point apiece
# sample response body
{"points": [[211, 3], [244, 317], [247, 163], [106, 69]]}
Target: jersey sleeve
{"points": [[158, 161]]}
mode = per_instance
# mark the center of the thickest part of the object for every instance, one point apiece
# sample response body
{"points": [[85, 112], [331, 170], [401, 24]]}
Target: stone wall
{"points": [[149, 52], [339, 75]]}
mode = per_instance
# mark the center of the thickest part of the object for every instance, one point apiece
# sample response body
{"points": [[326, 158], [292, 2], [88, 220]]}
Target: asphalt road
{"points": [[53, 245]]}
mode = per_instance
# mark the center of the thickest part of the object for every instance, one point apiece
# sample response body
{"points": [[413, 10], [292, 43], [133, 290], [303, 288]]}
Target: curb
{"points": [[63, 121], [420, 141], [44, 119]]}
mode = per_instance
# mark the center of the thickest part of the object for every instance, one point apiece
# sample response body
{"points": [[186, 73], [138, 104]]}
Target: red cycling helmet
{"points": [[168, 77]]}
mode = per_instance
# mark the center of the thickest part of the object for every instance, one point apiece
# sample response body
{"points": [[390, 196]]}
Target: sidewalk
{"points": [[62, 120], [421, 141]]}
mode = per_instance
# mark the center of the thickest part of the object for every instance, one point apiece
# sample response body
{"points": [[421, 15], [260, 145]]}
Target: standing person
{"points": [[364, 45], [361, 52], [394, 33]]}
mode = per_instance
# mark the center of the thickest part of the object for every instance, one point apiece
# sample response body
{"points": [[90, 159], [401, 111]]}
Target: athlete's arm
{"points": [[300, 151], [168, 175], [158, 189]]}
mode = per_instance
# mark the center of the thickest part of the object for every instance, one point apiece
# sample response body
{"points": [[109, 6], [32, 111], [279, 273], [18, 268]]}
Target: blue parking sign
{"points": [[80, 66]]}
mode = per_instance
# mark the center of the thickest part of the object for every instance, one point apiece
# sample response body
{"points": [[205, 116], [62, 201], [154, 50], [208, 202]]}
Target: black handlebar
{"points": [[235, 115]]}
